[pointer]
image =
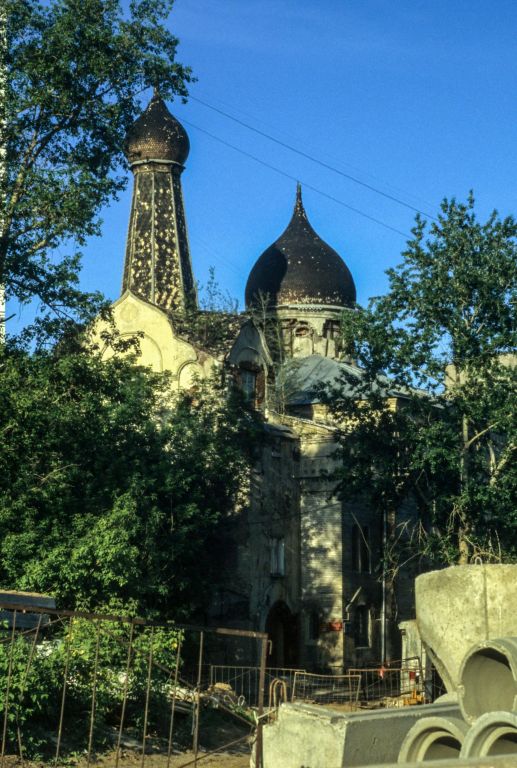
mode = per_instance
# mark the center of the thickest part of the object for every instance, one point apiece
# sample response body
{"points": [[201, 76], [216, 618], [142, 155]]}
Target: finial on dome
{"points": [[299, 202], [299, 210]]}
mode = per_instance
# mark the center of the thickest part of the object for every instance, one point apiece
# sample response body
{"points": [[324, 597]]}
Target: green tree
{"points": [[72, 71], [111, 487], [432, 415]]}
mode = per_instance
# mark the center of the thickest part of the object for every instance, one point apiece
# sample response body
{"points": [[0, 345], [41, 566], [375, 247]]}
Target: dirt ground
{"points": [[223, 743], [224, 759]]}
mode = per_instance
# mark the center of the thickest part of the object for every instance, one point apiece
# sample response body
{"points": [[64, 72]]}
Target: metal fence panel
{"points": [[326, 689], [243, 681]]}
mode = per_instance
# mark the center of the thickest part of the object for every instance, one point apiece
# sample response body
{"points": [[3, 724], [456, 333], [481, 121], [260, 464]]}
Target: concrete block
{"points": [[322, 737]]}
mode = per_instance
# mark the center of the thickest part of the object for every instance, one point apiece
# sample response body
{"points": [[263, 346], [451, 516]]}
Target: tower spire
{"points": [[158, 266]]}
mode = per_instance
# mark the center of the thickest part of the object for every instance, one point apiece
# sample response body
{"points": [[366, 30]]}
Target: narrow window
{"points": [[361, 549], [248, 384], [313, 625], [362, 626], [277, 557]]}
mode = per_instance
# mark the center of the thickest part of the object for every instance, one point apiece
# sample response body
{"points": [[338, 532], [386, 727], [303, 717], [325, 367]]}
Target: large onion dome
{"points": [[157, 135], [300, 268]]}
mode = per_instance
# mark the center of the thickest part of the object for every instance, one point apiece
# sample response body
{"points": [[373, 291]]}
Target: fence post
{"points": [[198, 697], [262, 684]]}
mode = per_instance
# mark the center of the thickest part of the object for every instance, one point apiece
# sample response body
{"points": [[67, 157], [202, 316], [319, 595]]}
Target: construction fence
{"points": [[82, 683], [388, 684]]}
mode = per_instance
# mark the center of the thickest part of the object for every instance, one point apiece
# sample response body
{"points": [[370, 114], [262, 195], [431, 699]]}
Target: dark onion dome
{"points": [[300, 268], [157, 135]]}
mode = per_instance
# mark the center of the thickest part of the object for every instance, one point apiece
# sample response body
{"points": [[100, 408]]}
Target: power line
{"points": [[313, 159], [329, 158], [296, 179]]}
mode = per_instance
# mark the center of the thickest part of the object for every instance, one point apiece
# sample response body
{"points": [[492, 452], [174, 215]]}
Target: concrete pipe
{"points": [[459, 606], [433, 738], [488, 678], [492, 734]]}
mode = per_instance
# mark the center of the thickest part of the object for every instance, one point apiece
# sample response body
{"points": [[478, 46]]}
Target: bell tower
{"points": [[158, 266]]}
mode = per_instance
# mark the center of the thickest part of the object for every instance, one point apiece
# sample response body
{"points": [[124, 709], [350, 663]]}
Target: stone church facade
{"points": [[300, 561]]}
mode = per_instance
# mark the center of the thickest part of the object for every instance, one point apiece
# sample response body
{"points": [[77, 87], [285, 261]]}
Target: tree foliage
{"points": [[434, 415], [75, 71], [111, 487]]}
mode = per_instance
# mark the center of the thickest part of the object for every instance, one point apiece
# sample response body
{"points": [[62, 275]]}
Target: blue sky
{"points": [[416, 97]]}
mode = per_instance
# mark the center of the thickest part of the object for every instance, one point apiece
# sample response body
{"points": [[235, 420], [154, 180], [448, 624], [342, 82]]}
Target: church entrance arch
{"points": [[282, 628]]}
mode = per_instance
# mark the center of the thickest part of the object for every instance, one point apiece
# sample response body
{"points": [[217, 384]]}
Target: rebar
{"points": [[198, 697], [147, 692], [24, 683], [262, 685], [173, 704], [124, 695], [7, 689], [63, 696], [94, 694]]}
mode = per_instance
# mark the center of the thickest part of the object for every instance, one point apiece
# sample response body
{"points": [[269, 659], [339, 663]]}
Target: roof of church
{"points": [[157, 135], [300, 268], [309, 379]]}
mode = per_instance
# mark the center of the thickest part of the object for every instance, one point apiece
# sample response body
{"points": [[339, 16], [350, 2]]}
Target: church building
{"points": [[300, 561]]}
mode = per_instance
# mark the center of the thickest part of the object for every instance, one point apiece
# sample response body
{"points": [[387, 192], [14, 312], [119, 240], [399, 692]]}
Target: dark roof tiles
{"points": [[157, 135], [300, 268]]}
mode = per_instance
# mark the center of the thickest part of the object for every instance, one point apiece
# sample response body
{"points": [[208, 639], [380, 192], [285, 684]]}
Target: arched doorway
{"points": [[282, 628]]}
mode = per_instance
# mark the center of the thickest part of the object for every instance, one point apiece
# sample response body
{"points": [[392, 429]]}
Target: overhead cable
{"points": [[296, 179], [313, 159]]}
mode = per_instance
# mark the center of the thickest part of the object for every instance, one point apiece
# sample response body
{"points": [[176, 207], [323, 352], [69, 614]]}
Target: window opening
{"points": [[361, 549], [277, 567]]}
